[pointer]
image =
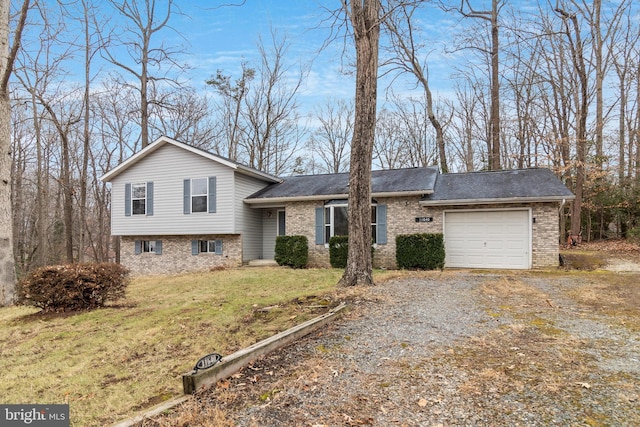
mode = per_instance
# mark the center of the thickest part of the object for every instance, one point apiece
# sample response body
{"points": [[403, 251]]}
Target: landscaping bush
{"points": [[339, 250], [292, 251], [420, 251], [73, 287]]}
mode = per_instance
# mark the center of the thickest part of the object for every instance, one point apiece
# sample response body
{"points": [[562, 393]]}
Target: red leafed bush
{"points": [[73, 287]]}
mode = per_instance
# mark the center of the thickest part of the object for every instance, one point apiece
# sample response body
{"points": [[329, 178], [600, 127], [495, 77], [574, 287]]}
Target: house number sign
{"points": [[207, 361], [424, 219]]}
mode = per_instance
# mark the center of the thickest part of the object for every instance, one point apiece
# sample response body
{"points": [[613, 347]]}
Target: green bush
{"points": [[339, 251], [292, 251], [420, 251], [73, 287]]}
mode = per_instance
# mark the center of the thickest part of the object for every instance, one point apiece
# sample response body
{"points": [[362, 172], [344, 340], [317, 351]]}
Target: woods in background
{"points": [[551, 85]]}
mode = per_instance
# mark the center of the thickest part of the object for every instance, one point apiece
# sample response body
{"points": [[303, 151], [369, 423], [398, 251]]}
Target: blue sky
{"points": [[222, 37]]}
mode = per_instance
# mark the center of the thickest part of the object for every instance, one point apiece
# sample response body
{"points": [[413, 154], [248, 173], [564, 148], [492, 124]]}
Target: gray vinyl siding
{"points": [[269, 231], [248, 220], [168, 167]]}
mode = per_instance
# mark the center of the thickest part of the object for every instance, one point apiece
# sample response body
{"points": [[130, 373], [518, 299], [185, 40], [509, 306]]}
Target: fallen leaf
{"points": [[584, 385]]}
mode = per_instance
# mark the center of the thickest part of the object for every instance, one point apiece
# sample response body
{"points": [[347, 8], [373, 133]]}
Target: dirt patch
{"points": [[611, 255]]}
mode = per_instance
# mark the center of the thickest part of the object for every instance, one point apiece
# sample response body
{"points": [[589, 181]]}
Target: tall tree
{"points": [[406, 51], [7, 58], [364, 17], [330, 141], [232, 98], [491, 16], [576, 46], [143, 25]]}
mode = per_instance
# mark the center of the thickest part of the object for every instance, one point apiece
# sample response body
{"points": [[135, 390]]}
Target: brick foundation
{"points": [[176, 255]]}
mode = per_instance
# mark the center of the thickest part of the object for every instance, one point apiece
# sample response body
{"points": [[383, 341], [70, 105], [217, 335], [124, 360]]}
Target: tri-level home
{"points": [[178, 208]]}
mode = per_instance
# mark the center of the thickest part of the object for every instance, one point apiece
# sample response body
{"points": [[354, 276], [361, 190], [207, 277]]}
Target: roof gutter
{"points": [[271, 201], [459, 202]]}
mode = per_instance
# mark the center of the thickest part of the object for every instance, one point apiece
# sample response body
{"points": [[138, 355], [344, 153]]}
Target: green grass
{"points": [[109, 363]]}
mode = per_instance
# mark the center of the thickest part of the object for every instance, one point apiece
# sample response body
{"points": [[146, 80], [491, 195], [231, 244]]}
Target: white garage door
{"points": [[487, 239]]}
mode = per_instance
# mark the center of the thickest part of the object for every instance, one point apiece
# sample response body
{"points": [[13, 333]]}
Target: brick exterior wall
{"points": [[401, 219], [176, 255]]}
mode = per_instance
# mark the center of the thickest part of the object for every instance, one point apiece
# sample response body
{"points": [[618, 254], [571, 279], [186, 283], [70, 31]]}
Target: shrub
{"points": [[420, 251], [339, 251], [292, 251], [73, 287], [633, 235]]}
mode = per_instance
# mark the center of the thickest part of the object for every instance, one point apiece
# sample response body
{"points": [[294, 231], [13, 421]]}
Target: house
{"points": [[178, 208]]}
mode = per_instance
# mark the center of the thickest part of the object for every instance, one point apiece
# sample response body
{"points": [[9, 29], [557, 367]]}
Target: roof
{"points": [[384, 183], [163, 140], [507, 186]]}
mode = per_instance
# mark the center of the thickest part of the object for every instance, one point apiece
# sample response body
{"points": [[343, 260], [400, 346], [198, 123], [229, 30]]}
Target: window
{"points": [[148, 246], [199, 192], [336, 221], [282, 223], [200, 195], [139, 199], [206, 246]]}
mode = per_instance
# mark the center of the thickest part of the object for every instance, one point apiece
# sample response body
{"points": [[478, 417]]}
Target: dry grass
{"points": [[614, 295], [528, 358], [531, 356], [112, 362]]}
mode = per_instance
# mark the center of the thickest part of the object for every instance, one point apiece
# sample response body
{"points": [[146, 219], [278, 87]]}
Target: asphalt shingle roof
{"points": [[508, 184], [415, 180]]}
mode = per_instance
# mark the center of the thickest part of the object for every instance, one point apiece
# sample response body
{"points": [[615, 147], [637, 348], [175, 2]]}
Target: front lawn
{"points": [[109, 363]]}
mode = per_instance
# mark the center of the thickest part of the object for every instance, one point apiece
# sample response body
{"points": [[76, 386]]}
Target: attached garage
{"points": [[488, 239]]}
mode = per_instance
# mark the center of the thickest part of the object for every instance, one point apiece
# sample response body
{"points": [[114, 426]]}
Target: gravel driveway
{"points": [[455, 348]]}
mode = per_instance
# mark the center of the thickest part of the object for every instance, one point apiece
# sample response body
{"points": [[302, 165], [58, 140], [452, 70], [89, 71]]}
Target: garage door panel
{"points": [[473, 244], [512, 244], [514, 229], [488, 239], [493, 229]]}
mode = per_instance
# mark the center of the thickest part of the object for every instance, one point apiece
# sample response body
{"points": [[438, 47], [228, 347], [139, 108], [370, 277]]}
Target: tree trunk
{"points": [[364, 16], [494, 155], [7, 261], [7, 57]]}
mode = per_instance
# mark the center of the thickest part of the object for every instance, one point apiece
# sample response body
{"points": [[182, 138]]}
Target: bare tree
{"points": [[391, 149], [330, 141], [364, 17], [142, 24], [623, 53], [231, 106], [187, 117], [490, 16], [7, 58], [259, 117], [273, 130], [463, 131], [406, 51], [574, 38]]}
